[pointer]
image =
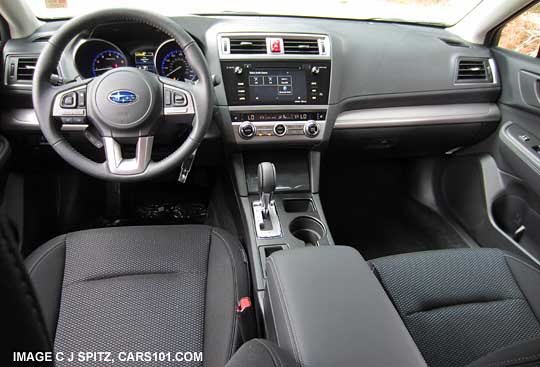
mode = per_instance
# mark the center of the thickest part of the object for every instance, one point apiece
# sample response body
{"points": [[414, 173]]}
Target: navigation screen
{"points": [[274, 86]]}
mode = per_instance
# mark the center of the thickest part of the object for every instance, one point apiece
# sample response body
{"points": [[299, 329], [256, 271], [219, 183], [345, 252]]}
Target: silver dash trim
{"points": [[418, 115]]}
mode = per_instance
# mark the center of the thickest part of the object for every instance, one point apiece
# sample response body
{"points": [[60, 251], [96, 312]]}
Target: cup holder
{"points": [[308, 230]]}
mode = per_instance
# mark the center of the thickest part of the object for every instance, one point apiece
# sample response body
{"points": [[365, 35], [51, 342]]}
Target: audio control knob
{"points": [[238, 70], [315, 70], [311, 129], [247, 130]]}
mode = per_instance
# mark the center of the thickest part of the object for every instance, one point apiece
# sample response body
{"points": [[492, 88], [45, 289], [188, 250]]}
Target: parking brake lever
{"points": [[266, 175]]}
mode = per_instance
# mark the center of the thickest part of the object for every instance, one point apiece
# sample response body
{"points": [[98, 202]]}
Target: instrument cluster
{"points": [[94, 57]]}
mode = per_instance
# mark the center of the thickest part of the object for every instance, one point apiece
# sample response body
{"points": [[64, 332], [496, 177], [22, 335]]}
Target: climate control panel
{"points": [[275, 126]]}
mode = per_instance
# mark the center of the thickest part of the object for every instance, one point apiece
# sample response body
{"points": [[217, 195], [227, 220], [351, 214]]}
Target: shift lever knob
{"points": [[266, 174]]}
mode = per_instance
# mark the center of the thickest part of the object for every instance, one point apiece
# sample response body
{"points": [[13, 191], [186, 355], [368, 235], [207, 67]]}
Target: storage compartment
{"points": [[514, 216], [308, 230], [298, 206], [409, 140], [339, 311]]}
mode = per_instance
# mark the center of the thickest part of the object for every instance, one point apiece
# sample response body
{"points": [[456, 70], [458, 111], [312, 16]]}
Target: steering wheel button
{"points": [[81, 99], [168, 97], [69, 100], [179, 100]]}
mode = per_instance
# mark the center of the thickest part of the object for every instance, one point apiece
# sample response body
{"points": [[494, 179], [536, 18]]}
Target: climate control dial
{"points": [[280, 130], [247, 130], [311, 129]]}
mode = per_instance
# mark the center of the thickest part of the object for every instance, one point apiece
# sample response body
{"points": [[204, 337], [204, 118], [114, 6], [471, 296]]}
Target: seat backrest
{"points": [[23, 327]]}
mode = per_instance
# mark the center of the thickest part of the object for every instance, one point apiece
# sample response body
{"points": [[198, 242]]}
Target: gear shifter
{"points": [[264, 211], [266, 175]]}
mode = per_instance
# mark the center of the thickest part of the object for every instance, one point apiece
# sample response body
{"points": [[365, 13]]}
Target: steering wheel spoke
{"points": [[119, 165], [70, 103], [178, 101]]}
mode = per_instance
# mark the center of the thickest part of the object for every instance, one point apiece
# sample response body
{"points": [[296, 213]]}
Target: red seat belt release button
{"points": [[245, 302]]}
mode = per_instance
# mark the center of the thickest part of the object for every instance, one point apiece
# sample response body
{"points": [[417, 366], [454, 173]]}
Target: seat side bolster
{"points": [[226, 283], [46, 270], [527, 278]]}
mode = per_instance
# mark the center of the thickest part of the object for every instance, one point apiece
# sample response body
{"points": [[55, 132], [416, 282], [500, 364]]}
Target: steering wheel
{"points": [[125, 105]]}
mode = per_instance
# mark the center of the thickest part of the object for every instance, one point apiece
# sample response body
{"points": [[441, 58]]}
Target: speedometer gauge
{"points": [[107, 60], [175, 66], [171, 62]]}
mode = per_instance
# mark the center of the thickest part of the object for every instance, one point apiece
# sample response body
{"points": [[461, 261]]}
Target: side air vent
{"points": [[247, 45], [25, 68], [454, 42], [19, 70], [474, 71], [299, 46]]}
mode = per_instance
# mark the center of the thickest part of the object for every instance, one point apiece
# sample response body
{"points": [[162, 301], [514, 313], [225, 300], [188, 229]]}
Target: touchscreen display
{"points": [[274, 86]]}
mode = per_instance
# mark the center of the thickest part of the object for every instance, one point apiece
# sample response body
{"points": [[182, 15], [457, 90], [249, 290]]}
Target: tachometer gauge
{"points": [[95, 56], [107, 60], [171, 62]]}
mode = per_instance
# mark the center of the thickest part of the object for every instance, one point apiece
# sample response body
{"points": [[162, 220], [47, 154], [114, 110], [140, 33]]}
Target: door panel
{"points": [[516, 211], [519, 134]]}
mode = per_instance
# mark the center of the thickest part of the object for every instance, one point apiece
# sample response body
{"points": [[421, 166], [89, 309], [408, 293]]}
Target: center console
{"points": [[320, 302], [277, 86], [275, 92], [325, 307]]}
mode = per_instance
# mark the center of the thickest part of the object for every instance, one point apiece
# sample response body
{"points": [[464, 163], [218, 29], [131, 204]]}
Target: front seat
{"points": [[467, 307], [142, 289]]}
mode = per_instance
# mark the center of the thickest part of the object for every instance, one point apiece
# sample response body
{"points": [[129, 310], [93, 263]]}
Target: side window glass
{"points": [[522, 34]]}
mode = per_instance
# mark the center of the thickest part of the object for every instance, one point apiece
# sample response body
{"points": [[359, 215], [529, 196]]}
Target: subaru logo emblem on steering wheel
{"points": [[123, 97]]}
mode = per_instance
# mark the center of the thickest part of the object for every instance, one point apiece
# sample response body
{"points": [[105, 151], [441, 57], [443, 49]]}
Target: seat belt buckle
{"points": [[243, 304], [246, 319], [186, 167]]}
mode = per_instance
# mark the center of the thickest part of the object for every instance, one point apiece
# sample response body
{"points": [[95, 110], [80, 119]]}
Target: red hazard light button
{"points": [[275, 45]]}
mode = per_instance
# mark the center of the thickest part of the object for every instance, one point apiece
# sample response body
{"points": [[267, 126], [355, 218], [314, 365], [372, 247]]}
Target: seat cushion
{"points": [[160, 288], [465, 304]]}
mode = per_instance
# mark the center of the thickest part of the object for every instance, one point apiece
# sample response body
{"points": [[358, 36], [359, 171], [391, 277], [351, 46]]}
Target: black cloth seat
{"points": [[142, 289], [467, 307]]}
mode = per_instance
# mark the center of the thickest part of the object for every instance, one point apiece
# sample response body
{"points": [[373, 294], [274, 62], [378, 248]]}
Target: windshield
{"points": [[444, 12]]}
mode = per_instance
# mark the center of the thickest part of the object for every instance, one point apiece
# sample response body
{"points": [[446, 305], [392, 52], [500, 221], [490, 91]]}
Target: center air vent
{"points": [[273, 45], [247, 45], [474, 71], [301, 46]]}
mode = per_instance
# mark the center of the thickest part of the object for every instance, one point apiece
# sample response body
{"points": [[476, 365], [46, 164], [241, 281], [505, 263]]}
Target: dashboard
{"points": [[293, 81]]}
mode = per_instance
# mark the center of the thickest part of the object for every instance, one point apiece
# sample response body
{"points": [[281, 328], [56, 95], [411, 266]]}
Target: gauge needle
{"points": [[100, 69], [178, 68]]}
